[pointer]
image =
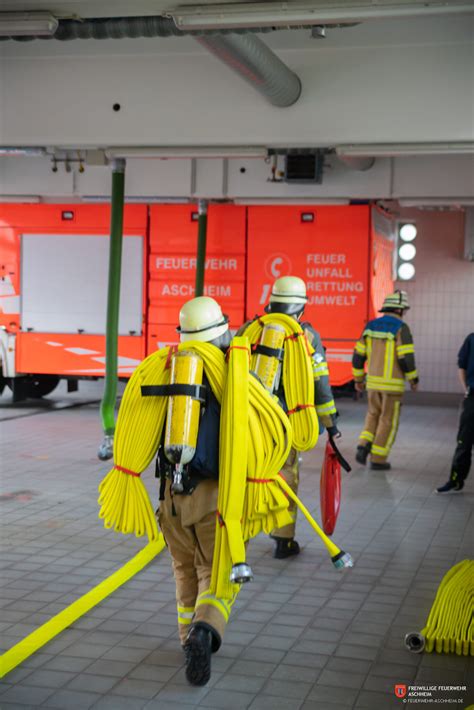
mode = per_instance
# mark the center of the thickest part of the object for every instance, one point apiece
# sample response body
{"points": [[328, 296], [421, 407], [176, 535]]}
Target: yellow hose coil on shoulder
{"points": [[450, 624], [297, 377], [124, 501]]}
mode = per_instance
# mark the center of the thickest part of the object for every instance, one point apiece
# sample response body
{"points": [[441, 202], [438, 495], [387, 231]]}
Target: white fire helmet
{"points": [[201, 319], [288, 296]]}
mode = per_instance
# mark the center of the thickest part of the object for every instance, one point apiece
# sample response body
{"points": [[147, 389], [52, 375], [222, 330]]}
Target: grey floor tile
{"points": [[72, 700], [226, 700]]}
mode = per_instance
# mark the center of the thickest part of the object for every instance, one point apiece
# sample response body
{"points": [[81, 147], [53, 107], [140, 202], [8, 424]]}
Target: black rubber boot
{"points": [[197, 651], [362, 454], [285, 547], [385, 466]]}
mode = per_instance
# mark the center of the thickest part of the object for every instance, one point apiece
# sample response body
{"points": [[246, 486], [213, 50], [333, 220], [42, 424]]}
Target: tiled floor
{"points": [[302, 636]]}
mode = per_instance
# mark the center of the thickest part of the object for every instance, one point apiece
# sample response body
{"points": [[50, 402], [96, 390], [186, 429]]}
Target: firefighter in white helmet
{"points": [[188, 517], [288, 296]]}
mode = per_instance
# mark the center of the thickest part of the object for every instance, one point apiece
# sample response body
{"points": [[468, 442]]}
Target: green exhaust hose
{"points": [[107, 406]]}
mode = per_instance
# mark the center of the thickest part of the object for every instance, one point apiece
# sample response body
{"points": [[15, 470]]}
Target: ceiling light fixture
{"points": [[291, 14], [27, 24], [388, 150]]}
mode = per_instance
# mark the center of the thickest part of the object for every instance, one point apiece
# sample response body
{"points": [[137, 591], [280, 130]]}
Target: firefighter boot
{"points": [[380, 466], [285, 547], [362, 454], [197, 651]]}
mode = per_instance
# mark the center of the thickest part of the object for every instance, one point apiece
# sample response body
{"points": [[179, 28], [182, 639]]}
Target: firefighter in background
{"points": [[387, 346], [288, 296], [187, 518], [462, 458]]}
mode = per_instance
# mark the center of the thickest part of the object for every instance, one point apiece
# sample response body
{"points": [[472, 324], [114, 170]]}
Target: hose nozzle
{"points": [[241, 573], [342, 559], [415, 642]]}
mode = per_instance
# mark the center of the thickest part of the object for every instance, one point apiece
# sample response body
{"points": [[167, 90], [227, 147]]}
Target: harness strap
{"points": [[195, 391], [269, 352]]}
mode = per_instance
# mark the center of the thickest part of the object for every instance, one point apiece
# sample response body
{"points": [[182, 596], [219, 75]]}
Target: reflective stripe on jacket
{"points": [[386, 345]]}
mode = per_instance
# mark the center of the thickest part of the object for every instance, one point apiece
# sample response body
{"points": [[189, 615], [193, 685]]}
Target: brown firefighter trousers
{"points": [[381, 423], [188, 523]]}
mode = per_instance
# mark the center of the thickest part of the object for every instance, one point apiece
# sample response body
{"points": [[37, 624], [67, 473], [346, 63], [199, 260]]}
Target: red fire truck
{"points": [[53, 279]]}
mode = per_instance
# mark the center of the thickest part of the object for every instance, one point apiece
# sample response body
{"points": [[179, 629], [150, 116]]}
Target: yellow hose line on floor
{"points": [[297, 377], [36, 640], [450, 625]]}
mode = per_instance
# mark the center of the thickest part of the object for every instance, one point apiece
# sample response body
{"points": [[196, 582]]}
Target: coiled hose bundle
{"points": [[297, 377], [124, 501], [255, 439], [450, 624]]}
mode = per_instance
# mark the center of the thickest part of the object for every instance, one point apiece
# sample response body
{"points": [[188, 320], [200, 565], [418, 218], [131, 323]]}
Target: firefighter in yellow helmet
{"points": [[288, 296], [386, 346], [187, 512]]}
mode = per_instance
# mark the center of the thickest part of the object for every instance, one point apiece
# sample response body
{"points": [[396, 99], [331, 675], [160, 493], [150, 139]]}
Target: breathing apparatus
{"points": [[183, 413], [267, 358], [202, 320]]}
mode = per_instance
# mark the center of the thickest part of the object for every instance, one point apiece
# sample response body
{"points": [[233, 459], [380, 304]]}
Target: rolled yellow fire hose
{"points": [[297, 375], [255, 438], [450, 624]]}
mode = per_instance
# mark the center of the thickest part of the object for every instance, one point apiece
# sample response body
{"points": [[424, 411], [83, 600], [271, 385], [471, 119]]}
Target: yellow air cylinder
{"points": [[182, 418], [267, 367]]}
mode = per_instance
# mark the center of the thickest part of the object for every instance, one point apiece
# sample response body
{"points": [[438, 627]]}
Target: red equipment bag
{"points": [[330, 485]]}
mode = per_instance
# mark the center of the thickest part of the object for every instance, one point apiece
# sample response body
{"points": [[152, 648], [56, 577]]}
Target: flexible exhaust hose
{"points": [[240, 49]]}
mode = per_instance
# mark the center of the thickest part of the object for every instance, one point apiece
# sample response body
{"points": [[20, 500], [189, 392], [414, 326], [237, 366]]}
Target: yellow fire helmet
{"points": [[202, 319], [288, 296], [395, 301]]}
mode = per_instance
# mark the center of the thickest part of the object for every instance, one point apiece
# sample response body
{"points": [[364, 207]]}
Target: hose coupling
{"points": [[415, 642], [106, 449], [342, 559], [241, 573]]}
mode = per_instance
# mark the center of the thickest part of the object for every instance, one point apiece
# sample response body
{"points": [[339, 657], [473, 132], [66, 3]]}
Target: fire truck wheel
{"points": [[38, 386]]}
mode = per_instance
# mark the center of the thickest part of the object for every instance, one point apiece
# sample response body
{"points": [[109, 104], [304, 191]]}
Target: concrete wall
{"points": [[441, 297]]}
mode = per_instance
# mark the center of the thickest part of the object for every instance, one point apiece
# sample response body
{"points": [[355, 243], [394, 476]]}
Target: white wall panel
{"points": [[434, 176], [160, 178], [64, 283], [358, 94], [33, 176], [338, 181], [441, 297]]}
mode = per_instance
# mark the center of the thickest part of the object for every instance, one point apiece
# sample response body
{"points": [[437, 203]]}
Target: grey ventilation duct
{"points": [[257, 65], [242, 51]]}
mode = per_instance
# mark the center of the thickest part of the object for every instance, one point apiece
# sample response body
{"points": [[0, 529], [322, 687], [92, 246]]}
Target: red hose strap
{"points": [[220, 519], [293, 336], [172, 350], [127, 471], [260, 480], [298, 408]]}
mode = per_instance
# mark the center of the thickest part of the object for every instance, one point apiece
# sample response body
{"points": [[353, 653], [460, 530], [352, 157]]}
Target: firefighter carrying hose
{"points": [[288, 296], [386, 344], [188, 467]]}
